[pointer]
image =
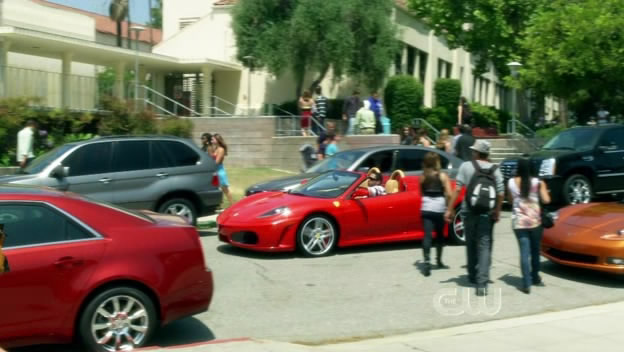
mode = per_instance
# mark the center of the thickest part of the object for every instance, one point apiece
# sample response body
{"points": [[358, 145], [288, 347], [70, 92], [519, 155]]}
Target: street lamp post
{"points": [[137, 30], [250, 59], [513, 66]]}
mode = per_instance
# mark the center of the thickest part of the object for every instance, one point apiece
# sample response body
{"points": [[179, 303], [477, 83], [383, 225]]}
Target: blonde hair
{"points": [[442, 138]]}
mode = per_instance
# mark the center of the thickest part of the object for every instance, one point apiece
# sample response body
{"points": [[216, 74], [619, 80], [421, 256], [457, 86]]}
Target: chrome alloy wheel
{"points": [[120, 323], [579, 191], [317, 236], [181, 210], [458, 228]]}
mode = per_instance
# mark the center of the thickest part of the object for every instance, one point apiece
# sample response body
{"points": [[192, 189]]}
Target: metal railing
{"points": [[513, 128], [418, 122], [290, 125]]}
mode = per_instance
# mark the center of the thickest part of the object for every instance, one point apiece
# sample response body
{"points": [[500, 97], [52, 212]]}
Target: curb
{"points": [[195, 344]]}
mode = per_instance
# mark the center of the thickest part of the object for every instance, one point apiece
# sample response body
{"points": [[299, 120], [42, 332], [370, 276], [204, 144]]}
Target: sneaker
{"points": [[427, 269], [441, 265], [482, 291], [538, 282], [526, 289]]}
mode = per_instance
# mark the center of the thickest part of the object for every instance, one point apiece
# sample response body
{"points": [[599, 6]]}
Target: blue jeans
{"points": [[433, 222], [478, 229], [529, 241], [351, 126]]}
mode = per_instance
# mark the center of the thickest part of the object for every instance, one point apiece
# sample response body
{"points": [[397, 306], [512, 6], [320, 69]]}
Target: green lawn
{"points": [[241, 178]]}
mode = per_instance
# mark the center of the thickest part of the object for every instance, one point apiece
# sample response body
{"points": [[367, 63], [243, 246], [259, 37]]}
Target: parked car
{"points": [[579, 163], [81, 268], [386, 158], [165, 174], [588, 236], [328, 211]]}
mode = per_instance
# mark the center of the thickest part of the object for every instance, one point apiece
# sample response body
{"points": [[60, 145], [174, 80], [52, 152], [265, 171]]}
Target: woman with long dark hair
{"points": [[525, 193], [219, 154], [206, 140], [436, 190]]}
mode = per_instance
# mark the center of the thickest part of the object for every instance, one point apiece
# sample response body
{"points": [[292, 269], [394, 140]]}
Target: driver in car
{"points": [[374, 185]]}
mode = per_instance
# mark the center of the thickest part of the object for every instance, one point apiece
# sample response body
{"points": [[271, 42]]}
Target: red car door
{"points": [[51, 259], [388, 215]]}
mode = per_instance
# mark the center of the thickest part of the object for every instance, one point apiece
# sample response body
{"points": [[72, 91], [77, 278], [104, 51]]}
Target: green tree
{"points": [[354, 37], [155, 14], [118, 11], [403, 98], [490, 29], [447, 93], [575, 51]]}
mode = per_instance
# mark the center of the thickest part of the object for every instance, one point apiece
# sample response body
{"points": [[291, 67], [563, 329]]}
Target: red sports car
{"points": [[106, 274], [330, 210]]}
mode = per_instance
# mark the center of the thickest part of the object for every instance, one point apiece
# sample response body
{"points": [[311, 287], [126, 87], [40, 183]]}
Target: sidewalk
{"points": [[584, 329]]}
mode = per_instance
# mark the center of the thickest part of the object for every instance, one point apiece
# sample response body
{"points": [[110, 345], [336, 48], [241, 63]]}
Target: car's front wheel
{"points": [[317, 236], [456, 228], [181, 207], [118, 319], [577, 190]]}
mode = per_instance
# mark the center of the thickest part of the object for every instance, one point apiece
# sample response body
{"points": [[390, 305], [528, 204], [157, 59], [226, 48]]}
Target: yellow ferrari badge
{"points": [[337, 204]]}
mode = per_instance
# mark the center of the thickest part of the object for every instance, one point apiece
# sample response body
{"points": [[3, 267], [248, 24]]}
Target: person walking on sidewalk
{"points": [[349, 109], [377, 107], [436, 191], [365, 120], [321, 111], [307, 107], [219, 155], [25, 143], [206, 140], [464, 143], [525, 193], [480, 211]]}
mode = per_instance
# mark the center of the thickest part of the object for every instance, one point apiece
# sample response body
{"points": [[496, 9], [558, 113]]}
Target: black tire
{"points": [[319, 226], [180, 206], [577, 189], [456, 228], [142, 307]]}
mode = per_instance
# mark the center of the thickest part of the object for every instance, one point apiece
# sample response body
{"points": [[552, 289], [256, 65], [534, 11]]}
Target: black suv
{"points": [[579, 163]]}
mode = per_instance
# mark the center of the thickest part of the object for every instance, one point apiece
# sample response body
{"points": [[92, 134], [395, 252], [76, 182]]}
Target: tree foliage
{"points": [[354, 37], [575, 51], [490, 29], [403, 97], [447, 94], [156, 14]]}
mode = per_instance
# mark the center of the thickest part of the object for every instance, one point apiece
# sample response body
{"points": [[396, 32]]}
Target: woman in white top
{"points": [[436, 190], [525, 193]]}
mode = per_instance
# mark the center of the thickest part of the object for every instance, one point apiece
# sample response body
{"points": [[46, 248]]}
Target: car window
{"points": [[33, 224], [131, 155], [328, 185], [89, 159], [341, 160], [381, 160], [411, 159], [613, 138], [42, 161], [573, 139], [158, 156], [179, 153]]}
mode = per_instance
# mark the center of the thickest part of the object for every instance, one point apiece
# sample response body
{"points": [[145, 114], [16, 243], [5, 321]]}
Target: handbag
{"points": [[547, 219]]}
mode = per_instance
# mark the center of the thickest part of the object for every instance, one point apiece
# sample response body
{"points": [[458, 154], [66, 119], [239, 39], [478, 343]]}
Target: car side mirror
{"points": [[60, 172]]}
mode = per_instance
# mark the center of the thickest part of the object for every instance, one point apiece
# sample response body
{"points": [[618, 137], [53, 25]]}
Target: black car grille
{"points": [[571, 256], [245, 237]]}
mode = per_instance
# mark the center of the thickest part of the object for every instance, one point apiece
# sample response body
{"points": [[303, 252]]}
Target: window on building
{"points": [[422, 70], [397, 64], [411, 60]]}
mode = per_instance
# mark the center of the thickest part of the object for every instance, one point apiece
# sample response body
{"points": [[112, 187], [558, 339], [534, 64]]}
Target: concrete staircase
{"points": [[508, 147]]}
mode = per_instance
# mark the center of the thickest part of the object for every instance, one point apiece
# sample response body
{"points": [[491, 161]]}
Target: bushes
{"points": [[176, 126], [403, 98], [447, 94]]}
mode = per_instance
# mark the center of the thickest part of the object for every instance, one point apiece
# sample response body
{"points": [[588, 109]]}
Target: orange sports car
{"points": [[588, 236]]}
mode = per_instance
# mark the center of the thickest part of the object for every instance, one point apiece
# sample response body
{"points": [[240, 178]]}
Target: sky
{"points": [[139, 11]]}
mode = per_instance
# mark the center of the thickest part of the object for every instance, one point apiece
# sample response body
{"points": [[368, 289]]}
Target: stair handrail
{"points": [[418, 121], [157, 93], [512, 129]]}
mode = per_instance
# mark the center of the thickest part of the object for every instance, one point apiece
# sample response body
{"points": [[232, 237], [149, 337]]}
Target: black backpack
{"points": [[481, 193]]}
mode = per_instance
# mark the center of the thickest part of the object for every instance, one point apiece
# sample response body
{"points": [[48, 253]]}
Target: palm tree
{"points": [[117, 11]]}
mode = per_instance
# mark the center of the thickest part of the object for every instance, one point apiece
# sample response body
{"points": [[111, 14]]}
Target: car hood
{"points": [[250, 208], [16, 178], [601, 218], [280, 183]]}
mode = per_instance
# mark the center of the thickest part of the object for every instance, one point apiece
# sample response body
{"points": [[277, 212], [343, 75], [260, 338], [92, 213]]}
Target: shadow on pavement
{"points": [[207, 233], [461, 281], [182, 332], [512, 280], [585, 276]]}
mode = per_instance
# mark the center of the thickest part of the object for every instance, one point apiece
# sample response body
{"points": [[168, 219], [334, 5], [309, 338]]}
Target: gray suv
{"points": [[160, 173]]}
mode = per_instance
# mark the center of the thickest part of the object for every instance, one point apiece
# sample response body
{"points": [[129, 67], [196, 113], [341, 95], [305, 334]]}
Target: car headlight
{"points": [[277, 211], [547, 168], [617, 236]]}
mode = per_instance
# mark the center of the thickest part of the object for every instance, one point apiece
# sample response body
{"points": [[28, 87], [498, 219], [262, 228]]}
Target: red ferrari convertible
{"points": [[79, 268], [330, 210]]}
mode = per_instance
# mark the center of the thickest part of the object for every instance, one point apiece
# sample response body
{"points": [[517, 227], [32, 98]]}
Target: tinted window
{"points": [[29, 224], [381, 160], [179, 153], [342, 160], [328, 185], [89, 159], [131, 155], [46, 159], [410, 159], [574, 139], [613, 138], [158, 156]]}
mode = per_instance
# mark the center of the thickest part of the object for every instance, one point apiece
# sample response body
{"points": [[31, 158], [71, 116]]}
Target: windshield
{"points": [[579, 140], [328, 185], [342, 160], [43, 161]]}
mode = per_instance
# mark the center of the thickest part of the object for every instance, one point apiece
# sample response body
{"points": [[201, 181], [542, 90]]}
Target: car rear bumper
{"points": [[192, 299], [209, 200]]}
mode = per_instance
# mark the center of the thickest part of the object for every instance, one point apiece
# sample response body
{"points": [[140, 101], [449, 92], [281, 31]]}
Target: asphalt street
{"points": [[370, 292]]}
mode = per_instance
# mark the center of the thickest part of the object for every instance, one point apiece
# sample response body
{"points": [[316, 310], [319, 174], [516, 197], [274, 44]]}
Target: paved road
{"points": [[370, 292]]}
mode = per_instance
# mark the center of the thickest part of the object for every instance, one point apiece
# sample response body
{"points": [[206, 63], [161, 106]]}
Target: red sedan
{"points": [[330, 210], [106, 274]]}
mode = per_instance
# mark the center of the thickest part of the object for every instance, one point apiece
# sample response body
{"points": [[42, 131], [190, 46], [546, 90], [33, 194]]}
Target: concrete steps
{"points": [[503, 148]]}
